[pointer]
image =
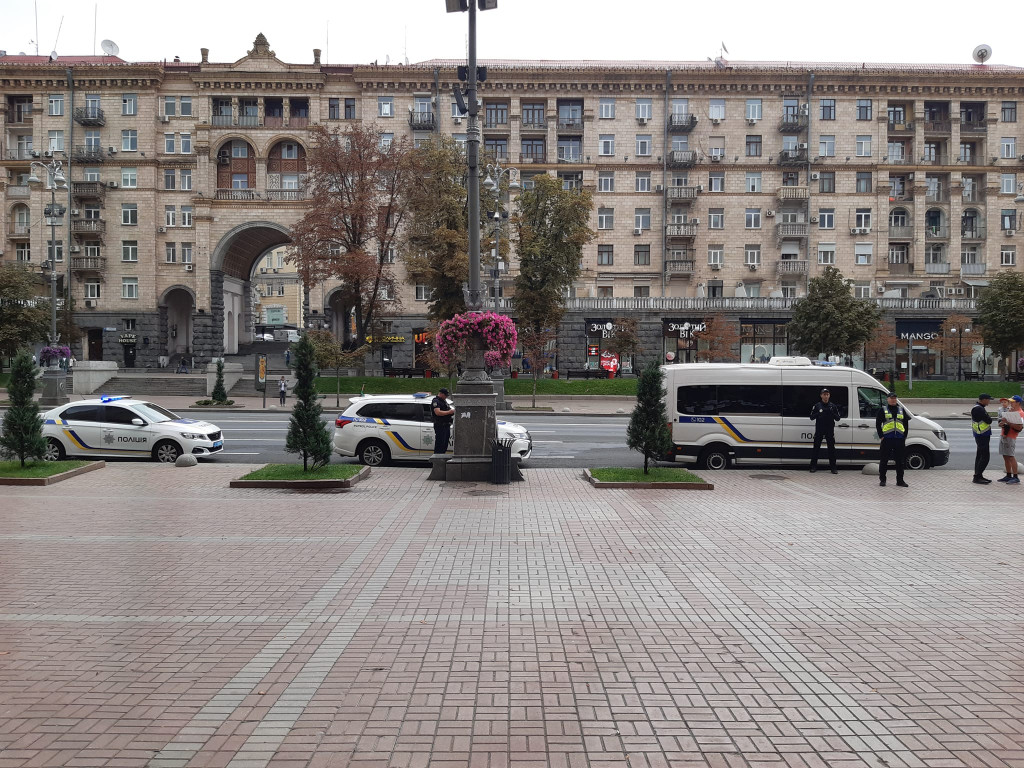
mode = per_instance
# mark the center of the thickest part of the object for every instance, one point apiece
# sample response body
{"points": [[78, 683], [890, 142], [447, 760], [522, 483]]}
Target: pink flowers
{"points": [[497, 331]]}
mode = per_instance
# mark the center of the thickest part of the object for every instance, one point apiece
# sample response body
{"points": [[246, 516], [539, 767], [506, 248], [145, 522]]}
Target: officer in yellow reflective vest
{"points": [[891, 426], [981, 425]]}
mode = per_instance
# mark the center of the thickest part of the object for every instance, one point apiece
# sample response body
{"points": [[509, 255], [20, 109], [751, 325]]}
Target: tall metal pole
{"points": [[54, 336], [495, 271], [473, 298]]}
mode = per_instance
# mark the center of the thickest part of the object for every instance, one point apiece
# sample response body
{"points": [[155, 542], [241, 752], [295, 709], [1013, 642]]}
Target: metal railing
{"points": [[89, 116], [682, 158], [682, 122], [936, 232], [792, 123], [761, 303], [237, 194], [973, 269], [896, 126], [21, 154], [222, 120], [285, 195], [973, 126], [680, 266], [683, 193], [87, 154], [19, 230], [298, 121], [792, 156], [935, 158], [533, 124], [88, 263], [792, 267], [249, 121], [793, 193], [570, 123], [945, 125], [570, 157], [974, 230], [20, 114], [422, 121], [533, 157], [681, 230], [791, 229], [901, 267], [973, 195], [88, 189], [88, 226]]}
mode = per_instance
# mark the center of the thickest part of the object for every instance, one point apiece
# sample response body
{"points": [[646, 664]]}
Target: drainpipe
{"points": [[437, 101], [807, 213], [69, 76], [664, 180]]}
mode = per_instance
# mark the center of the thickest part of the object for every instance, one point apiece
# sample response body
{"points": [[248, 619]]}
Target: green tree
{"points": [[22, 436], [1000, 315], [24, 315], [328, 353], [307, 434], [538, 347], [829, 319], [648, 430], [220, 395]]}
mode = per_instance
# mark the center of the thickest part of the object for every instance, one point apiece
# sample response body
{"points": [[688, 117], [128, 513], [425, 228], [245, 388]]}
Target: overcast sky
{"points": [[361, 31]]}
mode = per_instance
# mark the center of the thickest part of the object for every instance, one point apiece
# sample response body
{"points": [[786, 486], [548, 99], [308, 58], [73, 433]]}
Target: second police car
{"points": [[119, 426], [381, 428]]}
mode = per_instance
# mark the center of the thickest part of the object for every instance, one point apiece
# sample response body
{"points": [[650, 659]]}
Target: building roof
{"points": [[65, 60]]}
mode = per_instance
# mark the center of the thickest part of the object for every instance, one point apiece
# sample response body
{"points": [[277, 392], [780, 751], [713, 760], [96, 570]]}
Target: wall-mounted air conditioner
{"points": [[751, 121], [716, 158], [716, 120], [752, 267], [1010, 232], [805, 109], [659, 188], [802, 145], [112, 184], [769, 213], [161, 230], [814, 219], [638, 231], [165, 119], [457, 120], [815, 176], [90, 303], [716, 267], [75, 212], [263, 270], [189, 267], [76, 249], [695, 221], [642, 120], [960, 291]]}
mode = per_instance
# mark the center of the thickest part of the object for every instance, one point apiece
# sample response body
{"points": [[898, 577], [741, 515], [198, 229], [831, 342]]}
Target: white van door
{"points": [[750, 414], [864, 438], [798, 429]]}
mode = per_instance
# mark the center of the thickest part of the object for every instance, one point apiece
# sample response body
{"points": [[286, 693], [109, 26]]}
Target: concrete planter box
{"points": [[53, 478], [675, 486], [304, 485]]}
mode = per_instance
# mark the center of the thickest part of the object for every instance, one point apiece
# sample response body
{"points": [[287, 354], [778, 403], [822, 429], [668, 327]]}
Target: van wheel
{"points": [[54, 450], [166, 452], [917, 459], [714, 457], [373, 453]]}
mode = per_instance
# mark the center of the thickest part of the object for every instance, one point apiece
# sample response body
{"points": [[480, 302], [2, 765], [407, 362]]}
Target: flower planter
{"points": [[554, 374]]}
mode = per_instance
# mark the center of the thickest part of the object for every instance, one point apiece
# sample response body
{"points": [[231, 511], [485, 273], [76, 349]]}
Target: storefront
{"points": [[680, 338], [761, 340], [599, 330], [919, 348], [422, 347], [128, 343]]}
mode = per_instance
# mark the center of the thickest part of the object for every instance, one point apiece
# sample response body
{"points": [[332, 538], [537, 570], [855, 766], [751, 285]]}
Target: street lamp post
{"points": [[959, 350], [54, 388], [493, 184]]}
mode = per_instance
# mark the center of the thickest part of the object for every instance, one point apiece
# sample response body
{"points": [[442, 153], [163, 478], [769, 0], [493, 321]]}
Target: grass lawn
{"points": [[962, 390], [294, 472], [5, 378], [636, 475], [382, 385], [38, 468]]}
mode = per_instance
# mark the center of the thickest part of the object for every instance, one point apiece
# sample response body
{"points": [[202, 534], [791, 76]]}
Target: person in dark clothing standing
{"points": [[442, 412], [981, 425], [891, 426], [825, 414]]}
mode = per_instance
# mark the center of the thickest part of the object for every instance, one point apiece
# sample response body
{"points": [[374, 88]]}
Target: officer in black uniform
{"points": [[442, 412], [981, 426], [825, 414]]}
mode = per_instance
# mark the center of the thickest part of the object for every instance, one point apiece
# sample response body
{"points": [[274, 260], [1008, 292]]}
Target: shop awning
{"points": [[975, 283]]}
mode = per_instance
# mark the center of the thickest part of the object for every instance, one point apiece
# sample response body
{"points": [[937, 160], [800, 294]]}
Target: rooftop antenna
{"points": [[405, 47], [110, 48], [60, 26], [36, 41], [982, 53], [95, 12]]}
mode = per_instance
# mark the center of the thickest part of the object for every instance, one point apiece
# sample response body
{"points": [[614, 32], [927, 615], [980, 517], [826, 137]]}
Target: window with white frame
{"points": [[170, 215], [680, 107], [716, 181], [968, 254], [606, 218], [862, 289], [643, 181], [716, 218], [239, 181], [828, 109], [862, 218], [56, 141], [643, 145], [642, 218], [170, 106], [129, 178], [752, 219], [1008, 147], [186, 178], [386, 293], [56, 105], [170, 253], [423, 292], [641, 291], [606, 181], [129, 287], [91, 290], [827, 146], [826, 218], [753, 181], [186, 143], [864, 146], [1007, 255], [387, 255], [752, 255], [239, 149], [899, 253], [386, 140], [607, 109], [185, 102], [826, 253], [91, 174], [680, 143], [55, 250], [385, 106], [716, 109], [129, 141], [643, 109], [456, 112], [92, 249], [863, 253], [129, 214], [289, 151], [186, 215], [186, 253], [715, 253], [170, 178], [1008, 183], [170, 145], [129, 104], [753, 109], [606, 145]]}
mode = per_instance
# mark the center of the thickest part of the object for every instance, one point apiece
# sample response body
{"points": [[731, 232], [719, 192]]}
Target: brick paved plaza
{"points": [[150, 616]]}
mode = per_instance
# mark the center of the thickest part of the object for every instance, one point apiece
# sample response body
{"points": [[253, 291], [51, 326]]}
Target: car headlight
{"points": [[192, 435], [940, 433]]}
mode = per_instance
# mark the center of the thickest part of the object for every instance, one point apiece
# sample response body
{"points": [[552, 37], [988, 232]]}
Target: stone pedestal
{"points": [[55, 391], [90, 375]]}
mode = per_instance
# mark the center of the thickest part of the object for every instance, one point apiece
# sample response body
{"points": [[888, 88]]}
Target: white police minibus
{"points": [[727, 413]]}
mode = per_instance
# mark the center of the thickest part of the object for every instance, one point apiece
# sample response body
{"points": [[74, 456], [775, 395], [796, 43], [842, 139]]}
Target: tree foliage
{"points": [[358, 186], [718, 341], [829, 319], [954, 343], [1000, 313], [22, 435], [648, 430], [24, 315], [330, 354], [307, 434], [881, 344], [538, 345]]}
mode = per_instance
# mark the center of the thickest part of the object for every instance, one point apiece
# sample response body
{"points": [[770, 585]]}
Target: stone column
{"points": [[475, 425]]}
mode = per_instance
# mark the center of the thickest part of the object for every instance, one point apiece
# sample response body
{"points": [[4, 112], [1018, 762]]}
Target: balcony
{"points": [[19, 113], [283, 195], [936, 268], [570, 125], [89, 116], [87, 154], [793, 194], [793, 156], [298, 121], [972, 270], [973, 194], [533, 157], [18, 190], [273, 121], [792, 123], [21, 153], [940, 232], [237, 194], [19, 231], [926, 307], [249, 121], [88, 263], [942, 127], [972, 230], [898, 127], [791, 267], [222, 121], [791, 229], [901, 231], [422, 121], [533, 124], [936, 196], [88, 190], [901, 268], [681, 231], [935, 158], [570, 157], [681, 123], [683, 194], [682, 158], [680, 267], [905, 195], [972, 126], [88, 226]]}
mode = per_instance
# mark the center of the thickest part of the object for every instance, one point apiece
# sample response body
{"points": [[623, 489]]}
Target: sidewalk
{"points": [[152, 617]]}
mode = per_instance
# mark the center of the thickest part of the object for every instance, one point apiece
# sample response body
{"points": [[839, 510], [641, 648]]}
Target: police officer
{"points": [[981, 425], [442, 412], [891, 426], [825, 414]]}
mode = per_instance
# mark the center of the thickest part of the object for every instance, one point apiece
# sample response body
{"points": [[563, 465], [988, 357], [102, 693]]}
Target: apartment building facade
{"points": [[720, 189]]}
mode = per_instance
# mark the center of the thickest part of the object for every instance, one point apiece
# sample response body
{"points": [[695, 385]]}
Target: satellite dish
{"points": [[110, 48], [982, 53], [53, 55]]}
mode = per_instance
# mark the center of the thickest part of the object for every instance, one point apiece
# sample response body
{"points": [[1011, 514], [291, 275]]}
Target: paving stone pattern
{"points": [[152, 617]]}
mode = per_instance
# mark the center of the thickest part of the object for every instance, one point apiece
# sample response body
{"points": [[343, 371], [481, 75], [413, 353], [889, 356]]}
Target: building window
{"points": [[864, 146], [129, 141], [641, 291], [607, 109], [170, 106], [1007, 255], [716, 181], [753, 109], [186, 253], [605, 218], [643, 145], [605, 255], [91, 174], [186, 143], [643, 182], [1008, 147], [864, 110], [752, 255], [289, 151], [186, 215], [753, 181], [239, 149], [642, 218], [753, 146], [169, 178], [826, 218], [826, 253], [170, 145], [423, 292], [643, 109], [387, 255], [716, 218], [752, 219], [56, 141], [862, 290], [1008, 183], [334, 109], [863, 181], [129, 287], [715, 253], [91, 290], [385, 106], [606, 145], [350, 109], [170, 253], [827, 146], [863, 253], [239, 181], [56, 105], [828, 109], [128, 324], [605, 292], [606, 181], [129, 214], [1009, 113], [55, 250], [862, 218], [641, 255], [129, 104], [92, 249], [170, 215], [827, 181], [716, 109], [1008, 219]]}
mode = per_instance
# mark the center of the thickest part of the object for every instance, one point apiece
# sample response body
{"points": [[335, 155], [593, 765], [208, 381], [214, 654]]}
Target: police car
{"points": [[382, 428], [114, 426]]}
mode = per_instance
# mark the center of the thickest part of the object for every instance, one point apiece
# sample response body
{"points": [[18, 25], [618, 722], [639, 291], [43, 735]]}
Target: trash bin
{"points": [[501, 461]]}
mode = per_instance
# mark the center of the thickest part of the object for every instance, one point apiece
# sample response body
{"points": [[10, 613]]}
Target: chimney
{"points": [[316, 55], [205, 54]]}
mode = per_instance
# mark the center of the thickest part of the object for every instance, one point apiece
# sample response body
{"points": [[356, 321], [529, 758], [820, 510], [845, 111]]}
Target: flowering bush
{"points": [[46, 354], [497, 331]]}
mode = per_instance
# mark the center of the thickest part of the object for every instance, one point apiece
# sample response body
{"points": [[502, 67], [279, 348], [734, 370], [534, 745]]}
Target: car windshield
{"points": [[154, 413]]}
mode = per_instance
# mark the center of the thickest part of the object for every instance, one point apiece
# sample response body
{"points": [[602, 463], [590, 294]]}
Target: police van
{"points": [[724, 414]]}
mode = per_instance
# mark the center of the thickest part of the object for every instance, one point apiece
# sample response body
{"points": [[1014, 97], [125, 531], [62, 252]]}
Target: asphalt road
{"points": [[558, 440]]}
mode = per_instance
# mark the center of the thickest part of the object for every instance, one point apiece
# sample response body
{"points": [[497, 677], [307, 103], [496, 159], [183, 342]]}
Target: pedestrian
{"points": [[443, 413], [282, 389], [1011, 423], [981, 425], [825, 414], [33, 359], [288, 358], [891, 426]]}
